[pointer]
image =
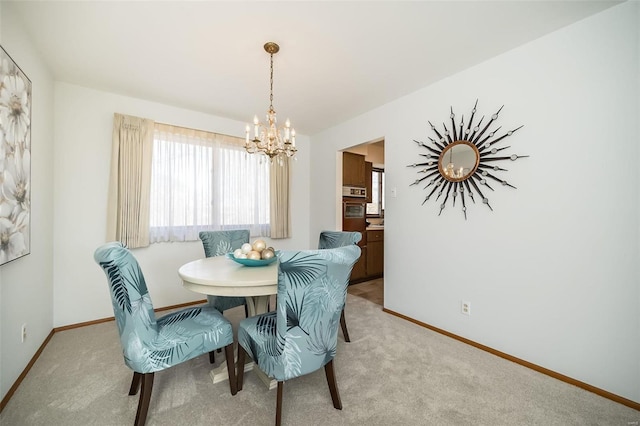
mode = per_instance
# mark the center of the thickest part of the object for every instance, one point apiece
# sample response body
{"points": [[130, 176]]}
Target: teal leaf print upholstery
{"points": [[151, 344], [300, 336], [333, 239], [219, 243], [302, 269]]}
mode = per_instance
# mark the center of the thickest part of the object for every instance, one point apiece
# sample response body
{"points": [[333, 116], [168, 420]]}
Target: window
{"points": [[376, 206], [205, 181]]}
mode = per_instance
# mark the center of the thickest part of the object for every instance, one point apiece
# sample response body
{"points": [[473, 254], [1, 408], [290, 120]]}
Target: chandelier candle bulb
{"points": [[256, 122]]}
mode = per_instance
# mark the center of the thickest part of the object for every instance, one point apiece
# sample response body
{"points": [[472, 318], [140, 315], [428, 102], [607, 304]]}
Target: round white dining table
{"points": [[221, 276]]}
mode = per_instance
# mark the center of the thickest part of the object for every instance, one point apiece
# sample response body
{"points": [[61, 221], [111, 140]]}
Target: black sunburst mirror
{"points": [[463, 159]]}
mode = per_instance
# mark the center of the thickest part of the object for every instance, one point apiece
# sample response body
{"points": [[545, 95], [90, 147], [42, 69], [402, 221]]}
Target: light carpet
{"points": [[392, 373]]}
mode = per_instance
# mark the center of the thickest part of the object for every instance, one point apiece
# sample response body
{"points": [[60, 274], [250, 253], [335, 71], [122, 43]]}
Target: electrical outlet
{"points": [[24, 332], [465, 308]]}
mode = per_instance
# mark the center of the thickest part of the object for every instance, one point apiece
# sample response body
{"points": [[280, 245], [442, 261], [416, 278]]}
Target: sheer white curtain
{"points": [[205, 181]]}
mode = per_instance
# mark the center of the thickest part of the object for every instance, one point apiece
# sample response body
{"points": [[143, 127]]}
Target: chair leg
{"points": [[279, 404], [240, 368], [212, 357], [231, 368], [333, 386], [145, 397], [343, 324], [135, 383]]}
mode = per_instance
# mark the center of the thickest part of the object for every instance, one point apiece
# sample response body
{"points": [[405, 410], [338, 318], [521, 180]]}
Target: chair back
{"points": [[333, 239], [312, 289], [218, 243], [132, 306]]}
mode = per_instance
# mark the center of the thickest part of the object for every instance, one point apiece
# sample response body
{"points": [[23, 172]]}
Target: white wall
{"points": [[26, 284], [84, 120], [552, 273]]}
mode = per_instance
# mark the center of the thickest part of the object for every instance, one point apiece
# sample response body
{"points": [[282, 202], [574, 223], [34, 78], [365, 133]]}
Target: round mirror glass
{"points": [[458, 161]]}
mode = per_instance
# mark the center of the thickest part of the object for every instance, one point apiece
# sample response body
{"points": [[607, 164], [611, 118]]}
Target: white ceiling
{"points": [[337, 59]]}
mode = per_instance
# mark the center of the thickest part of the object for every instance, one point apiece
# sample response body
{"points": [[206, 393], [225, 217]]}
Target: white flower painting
{"points": [[15, 160]]}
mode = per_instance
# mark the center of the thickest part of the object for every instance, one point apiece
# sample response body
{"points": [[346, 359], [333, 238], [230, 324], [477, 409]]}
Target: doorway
{"points": [[370, 284]]}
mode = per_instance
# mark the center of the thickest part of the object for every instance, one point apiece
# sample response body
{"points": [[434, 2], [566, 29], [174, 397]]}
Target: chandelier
{"points": [[268, 138]]}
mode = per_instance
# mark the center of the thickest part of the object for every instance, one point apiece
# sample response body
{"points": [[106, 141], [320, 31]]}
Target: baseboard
{"points": [[98, 321], [601, 392], [22, 375], [35, 357]]}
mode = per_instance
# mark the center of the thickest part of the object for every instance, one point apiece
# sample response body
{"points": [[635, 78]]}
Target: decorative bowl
{"points": [[254, 262]]}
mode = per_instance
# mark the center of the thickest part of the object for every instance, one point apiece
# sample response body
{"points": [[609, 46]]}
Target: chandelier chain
{"points": [[271, 85]]}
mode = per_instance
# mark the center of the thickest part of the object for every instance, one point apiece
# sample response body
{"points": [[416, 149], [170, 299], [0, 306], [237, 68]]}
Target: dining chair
{"points": [[333, 239], [301, 335], [151, 344], [219, 243]]}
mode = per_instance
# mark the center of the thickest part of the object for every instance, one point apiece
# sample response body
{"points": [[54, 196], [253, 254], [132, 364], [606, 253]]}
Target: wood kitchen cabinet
{"points": [[359, 271], [375, 253], [371, 262], [353, 170]]}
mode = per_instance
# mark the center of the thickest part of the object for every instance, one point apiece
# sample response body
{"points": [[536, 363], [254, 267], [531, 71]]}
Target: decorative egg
{"points": [[246, 248], [241, 256], [267, 253], [259, 245], [237, 253], [253, 255]]}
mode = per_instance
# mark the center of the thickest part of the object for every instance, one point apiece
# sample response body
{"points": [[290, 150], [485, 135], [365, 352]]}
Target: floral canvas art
{"points": [[15, 160]]}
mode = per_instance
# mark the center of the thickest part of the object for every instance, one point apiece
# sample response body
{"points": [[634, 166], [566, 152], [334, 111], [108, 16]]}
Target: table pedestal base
{"points": [[255, 306], [221, 374], [268, 381]]}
